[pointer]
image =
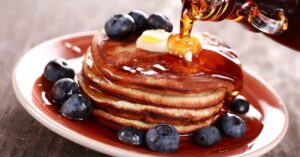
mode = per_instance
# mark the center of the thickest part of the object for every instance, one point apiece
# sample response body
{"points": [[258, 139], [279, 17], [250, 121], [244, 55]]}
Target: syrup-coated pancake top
{"points": [[215, 67]]}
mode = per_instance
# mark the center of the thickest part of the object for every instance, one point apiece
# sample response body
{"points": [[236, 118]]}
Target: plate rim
{"points": [[103, 147]]}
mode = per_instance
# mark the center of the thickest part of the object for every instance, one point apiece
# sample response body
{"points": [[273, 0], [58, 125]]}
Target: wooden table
{"points": [[24, 24]]}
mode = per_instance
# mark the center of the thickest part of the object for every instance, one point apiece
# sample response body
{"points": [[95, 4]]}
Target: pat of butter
{"points": [[154, 41]]}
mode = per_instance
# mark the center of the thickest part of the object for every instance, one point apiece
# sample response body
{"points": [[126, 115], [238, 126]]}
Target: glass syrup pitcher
{"points": [[272, 17]]}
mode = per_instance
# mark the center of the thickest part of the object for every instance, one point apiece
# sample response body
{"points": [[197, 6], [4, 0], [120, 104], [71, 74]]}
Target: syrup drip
{"points": [[183, 43], [181, 46]]}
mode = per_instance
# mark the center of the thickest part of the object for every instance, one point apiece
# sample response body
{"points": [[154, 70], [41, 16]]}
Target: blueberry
{"points": [[63, 89], [58, 69], [120, 26], [208, 136], [160, 21], [140, 19], [162, 138], [131, 135], [240, 105], [232, 126], [77, 107]]}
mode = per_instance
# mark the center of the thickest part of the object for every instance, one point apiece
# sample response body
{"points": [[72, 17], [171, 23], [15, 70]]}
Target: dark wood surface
{"points": [[26, 23]]}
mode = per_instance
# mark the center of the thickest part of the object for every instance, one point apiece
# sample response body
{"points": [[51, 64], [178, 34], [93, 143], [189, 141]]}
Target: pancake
{"points": [[182, 129], [147, 113], [122, 61], [133, 87], [188, 101]]}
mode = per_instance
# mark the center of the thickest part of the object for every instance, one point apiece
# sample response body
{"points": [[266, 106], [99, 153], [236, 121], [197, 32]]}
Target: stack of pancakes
{"points": [[133, 87]]}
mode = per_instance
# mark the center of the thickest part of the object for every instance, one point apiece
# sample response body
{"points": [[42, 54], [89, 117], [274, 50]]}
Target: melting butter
{"points": [[154, 41]]}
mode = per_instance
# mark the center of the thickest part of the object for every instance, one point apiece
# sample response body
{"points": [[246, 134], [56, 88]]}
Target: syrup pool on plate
{"points": [[253, 120]]}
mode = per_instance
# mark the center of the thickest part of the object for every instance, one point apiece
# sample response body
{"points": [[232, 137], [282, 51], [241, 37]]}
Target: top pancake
{"points": [[121, 61]]}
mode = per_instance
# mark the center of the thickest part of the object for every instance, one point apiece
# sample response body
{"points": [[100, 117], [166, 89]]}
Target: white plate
{"points": [[28, 89]]}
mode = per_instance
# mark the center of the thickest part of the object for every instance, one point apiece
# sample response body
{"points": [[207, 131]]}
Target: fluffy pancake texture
{"points": [[133, 87], [178, 100], [182, 129], [145, 112]]}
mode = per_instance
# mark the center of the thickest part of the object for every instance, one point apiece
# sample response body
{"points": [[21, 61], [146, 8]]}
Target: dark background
{"points": [[26, 23]]}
